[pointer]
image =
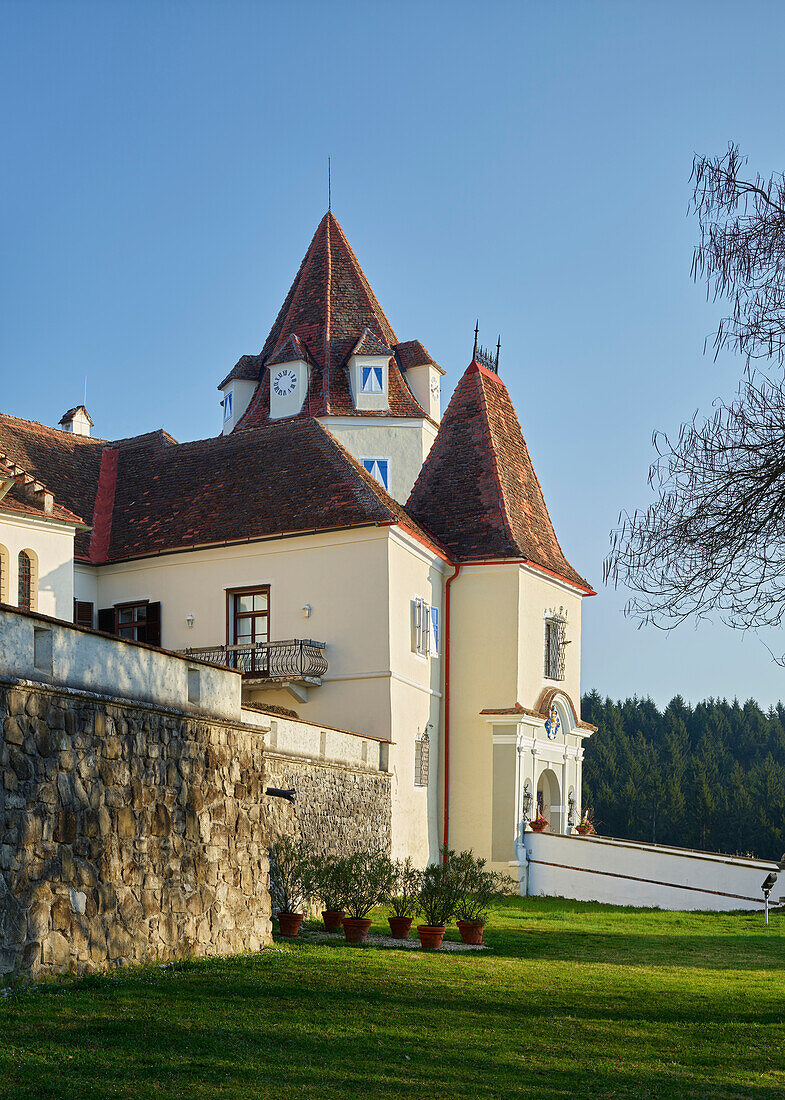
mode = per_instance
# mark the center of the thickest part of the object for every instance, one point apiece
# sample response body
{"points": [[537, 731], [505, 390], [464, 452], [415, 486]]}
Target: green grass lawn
{"points": [[573, 1000]]}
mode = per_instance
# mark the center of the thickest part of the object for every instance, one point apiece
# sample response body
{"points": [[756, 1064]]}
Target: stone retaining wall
{"points": [[129, 833], [337, 809]]}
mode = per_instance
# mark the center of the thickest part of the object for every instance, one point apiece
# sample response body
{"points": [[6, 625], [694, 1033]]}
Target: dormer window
{"points": [[372, 380], [379, 468], [228, 407]]}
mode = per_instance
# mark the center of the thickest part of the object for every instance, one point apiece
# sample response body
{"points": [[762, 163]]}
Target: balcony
{"points": [[295, 664]]}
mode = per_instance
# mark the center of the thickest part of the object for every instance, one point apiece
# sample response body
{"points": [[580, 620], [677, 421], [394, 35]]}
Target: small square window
{"points": [[228, 407], [372, 380], [379, 468]]}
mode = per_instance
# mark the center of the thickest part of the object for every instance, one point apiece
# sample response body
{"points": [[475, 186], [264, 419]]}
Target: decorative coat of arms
{"points": [[552, 723]]}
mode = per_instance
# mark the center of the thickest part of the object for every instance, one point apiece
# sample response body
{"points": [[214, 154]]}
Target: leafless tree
{"points": [[713, 541]]}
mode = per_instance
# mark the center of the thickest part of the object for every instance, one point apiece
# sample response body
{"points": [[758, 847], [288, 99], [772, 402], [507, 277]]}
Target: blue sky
{"points": [[164, 167]]}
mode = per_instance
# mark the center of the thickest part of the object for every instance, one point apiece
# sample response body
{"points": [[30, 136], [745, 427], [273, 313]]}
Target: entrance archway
{"points": [[549, 800]]}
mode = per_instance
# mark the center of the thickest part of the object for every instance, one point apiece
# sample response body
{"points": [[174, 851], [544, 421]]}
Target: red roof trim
{"points": [[104, 506]]}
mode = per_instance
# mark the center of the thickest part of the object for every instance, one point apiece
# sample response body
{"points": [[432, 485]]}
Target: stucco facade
{"points": [[50, 545]]}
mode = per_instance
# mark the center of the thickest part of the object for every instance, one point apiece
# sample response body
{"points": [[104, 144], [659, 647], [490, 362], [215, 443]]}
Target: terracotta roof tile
{"points": [[289, 351], [330, 307], [411, 353], [246, 369], [368, 344], [478, 491]]}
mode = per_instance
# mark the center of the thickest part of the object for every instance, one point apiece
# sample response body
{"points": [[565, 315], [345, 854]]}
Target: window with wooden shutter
{"points": [[106, 621], [421, 627], [83, 613], [152, 633]]}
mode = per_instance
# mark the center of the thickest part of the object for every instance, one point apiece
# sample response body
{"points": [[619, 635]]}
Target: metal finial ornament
{"points": [[498, 349], [476, 334], [329, 188]]}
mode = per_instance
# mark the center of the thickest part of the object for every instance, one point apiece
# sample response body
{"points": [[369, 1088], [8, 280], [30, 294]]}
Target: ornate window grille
{"points": [[555, 647], [421, 755], [25, 601]]}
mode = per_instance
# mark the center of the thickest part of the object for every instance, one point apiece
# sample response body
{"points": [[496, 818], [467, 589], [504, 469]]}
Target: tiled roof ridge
{"points": [[372, 339], [24, 478], [327, 322], [299, 345], [156, 435], [396, 513], [367, 290], [503, 506], [494, 379], [291, 296], [366, 492], [56, 433], [103, 510]]}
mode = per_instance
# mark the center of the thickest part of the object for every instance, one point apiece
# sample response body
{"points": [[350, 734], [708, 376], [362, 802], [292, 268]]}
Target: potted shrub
{"points": [[290, 885], [537, 824], [329, 885], [437, 901], [368, 877], [475, 889], [404, 895]]}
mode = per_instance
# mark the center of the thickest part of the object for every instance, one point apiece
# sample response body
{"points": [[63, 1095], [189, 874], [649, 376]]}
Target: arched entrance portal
{"points": [[549, 800]]}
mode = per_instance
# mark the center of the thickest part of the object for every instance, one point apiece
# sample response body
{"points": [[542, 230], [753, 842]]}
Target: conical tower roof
{"points": [[330, 307], [478, 492]]}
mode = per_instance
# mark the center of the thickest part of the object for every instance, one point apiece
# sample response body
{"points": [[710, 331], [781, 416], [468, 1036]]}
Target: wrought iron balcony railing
{"points": [[296, 659]]}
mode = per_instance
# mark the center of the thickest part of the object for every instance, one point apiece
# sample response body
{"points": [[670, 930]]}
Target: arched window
{"points": [[28, 581], [4, 565]]}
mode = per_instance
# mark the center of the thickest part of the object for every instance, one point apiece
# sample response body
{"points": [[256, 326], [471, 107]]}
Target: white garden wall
{"points": [[622, 872]]}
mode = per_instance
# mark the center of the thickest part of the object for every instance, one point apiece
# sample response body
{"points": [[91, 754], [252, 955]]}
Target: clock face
{"points": [[435, 389], [284, 382]]}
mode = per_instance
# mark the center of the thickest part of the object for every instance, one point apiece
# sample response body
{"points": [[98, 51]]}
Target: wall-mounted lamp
{"points": [[189, 621], [307, 611]]}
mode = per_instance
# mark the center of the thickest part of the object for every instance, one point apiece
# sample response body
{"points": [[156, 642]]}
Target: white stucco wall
{"points": [[622, 872], [36, 648], [53, 544], [405, 442]]}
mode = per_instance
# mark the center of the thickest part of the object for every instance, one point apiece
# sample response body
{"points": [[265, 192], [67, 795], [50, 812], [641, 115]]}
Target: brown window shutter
{"points": [[106, 620], [153, 628], [83, 613]]}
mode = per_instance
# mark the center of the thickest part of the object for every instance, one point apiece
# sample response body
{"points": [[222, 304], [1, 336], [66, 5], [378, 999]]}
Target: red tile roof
{"points": [[368, 344], [148, 494], [411, 353], [68, 464], [290, 351], [478, 492], [330, 307]]}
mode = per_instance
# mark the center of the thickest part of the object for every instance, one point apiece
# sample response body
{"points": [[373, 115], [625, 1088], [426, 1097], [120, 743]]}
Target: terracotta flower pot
{"points": [[289, 923], [431, 936], [471, 931], [333, 919], [399, 927], [537, 828], [356, 929], [584, 830]]}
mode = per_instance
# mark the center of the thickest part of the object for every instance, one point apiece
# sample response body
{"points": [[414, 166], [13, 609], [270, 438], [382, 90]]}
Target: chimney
{"points": [[77, 421]]}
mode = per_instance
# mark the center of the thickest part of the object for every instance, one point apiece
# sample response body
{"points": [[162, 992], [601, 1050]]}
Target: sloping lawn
{"points": [[573, 1000]]}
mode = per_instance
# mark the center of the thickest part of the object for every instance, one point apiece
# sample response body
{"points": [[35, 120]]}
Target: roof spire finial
{"points": [[476, 334], [498, 349], [329, 188]]}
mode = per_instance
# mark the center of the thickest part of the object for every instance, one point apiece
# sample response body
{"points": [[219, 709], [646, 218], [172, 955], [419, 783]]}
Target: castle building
{"points": [[361, 558]]}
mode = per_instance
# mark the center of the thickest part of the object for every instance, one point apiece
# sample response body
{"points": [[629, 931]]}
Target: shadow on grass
{"points": [[279, 1055]]}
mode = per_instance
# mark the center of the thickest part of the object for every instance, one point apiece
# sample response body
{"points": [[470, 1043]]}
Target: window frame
{"points": [[258, 665], [555, 663], [421, 627], [30, 602], [378, 458], [135, 624], [228, 405]]}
